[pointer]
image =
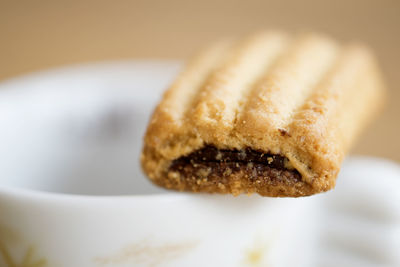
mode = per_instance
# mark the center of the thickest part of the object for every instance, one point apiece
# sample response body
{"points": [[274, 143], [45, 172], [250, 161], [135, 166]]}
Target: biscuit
{"points": [[272, 114]]}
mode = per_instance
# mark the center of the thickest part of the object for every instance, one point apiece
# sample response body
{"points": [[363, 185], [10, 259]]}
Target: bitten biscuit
{"points": [[272, 114]]}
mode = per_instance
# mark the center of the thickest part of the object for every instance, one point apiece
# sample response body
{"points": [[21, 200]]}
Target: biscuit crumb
{"points": [[173, 175], [284, 132], [221, 186], [227, 172], [242, 154], [203, 172]]}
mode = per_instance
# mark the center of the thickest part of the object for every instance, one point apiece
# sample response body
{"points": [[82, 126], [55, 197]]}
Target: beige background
{"points": [[37, 34]]}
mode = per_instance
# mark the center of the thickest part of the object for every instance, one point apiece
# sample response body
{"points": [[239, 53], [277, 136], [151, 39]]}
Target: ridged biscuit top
{"points": [[305, 97]]}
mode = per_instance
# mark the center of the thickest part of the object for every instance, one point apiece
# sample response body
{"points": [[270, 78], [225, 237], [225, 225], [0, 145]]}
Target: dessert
{"points": [[272, 114]]}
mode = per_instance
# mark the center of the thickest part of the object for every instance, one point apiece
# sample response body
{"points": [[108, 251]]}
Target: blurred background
{"points": [[37, 35]]}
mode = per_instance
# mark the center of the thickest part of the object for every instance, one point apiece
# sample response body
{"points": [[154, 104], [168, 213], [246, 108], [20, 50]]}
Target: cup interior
{"points": [[80, 130]]}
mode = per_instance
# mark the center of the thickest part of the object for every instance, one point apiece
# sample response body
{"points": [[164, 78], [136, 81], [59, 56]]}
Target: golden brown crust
{"points": [[305, 98]]}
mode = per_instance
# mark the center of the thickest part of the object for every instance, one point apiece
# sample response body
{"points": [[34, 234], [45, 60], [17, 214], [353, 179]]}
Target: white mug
{"points": [[72, 193]]}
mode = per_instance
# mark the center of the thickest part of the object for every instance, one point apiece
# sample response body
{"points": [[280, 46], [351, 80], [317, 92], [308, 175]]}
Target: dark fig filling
{"points": [[211, 162]]}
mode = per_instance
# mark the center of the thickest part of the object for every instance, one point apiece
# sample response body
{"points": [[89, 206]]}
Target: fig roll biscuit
{"points": [[271, 114]]}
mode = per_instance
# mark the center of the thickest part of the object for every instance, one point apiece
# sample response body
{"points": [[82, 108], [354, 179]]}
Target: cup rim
{"points": [[26, 193]]}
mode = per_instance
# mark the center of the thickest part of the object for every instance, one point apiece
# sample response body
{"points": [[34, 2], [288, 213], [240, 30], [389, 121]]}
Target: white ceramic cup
{"points": [[72, 193]]}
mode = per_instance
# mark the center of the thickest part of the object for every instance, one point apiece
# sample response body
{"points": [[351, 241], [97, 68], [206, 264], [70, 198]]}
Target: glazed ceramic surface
{"points": [[72, 193]]}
